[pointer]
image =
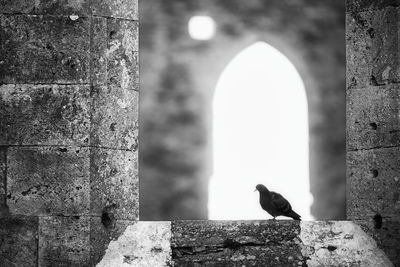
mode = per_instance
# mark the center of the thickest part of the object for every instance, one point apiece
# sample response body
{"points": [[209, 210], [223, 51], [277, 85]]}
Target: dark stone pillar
{"points": [[373, 136]]}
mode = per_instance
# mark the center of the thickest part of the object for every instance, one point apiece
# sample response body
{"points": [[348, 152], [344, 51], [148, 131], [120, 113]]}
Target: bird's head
{"points": [[261, 188]]}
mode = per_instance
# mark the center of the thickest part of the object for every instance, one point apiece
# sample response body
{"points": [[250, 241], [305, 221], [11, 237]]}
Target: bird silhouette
{"points": [[275, 204]]}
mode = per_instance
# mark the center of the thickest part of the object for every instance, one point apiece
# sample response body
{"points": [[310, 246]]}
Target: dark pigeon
{"points": [[275, 204]]}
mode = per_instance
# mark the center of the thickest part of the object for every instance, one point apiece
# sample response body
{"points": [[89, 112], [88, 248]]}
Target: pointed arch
{"points": [[260, 135]]}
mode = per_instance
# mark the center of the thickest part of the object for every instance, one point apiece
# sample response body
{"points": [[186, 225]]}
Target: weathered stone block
{"points": [[122, 56], [372, 48], [44, 115], [339, 243], [114, 185], [54, 7], [102, 232], [115, 53], [19, 241], [363, 5], [48, 180], [99, 50], [139, 244], [373, 183], [64, 241], [44, 49], [250, 243], [3, 165], [386, 232], [115, 118], [126, 9], [372, 117]]}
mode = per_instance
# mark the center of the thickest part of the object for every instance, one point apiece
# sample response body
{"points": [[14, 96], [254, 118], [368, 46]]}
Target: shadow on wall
{"points": [[178, 79]]}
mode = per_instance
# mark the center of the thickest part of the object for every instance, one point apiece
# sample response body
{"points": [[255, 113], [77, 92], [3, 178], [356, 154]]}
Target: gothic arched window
{"points": [[260, 135]]}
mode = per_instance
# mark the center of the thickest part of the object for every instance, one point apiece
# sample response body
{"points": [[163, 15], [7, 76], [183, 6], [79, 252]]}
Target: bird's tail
{"points": [[294, 215]]}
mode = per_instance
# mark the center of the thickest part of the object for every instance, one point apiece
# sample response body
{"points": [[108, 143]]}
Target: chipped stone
{"points": [[141, 244], [361, 250]]}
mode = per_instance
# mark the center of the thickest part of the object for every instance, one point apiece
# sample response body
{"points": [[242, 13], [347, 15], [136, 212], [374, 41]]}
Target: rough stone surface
{"points": [[373, 183], [3, 181], [53, 55], [55, 7], [64, 241], [373, 117], [115, 53], [126, 9], [44, 49], [228, 243], [372, 47], [102, 230], [115, 118], [44, 115], [141, 244], [273, 243], [48, 180], [121, 54], [339, 244], [386, 232], [114, 184], [19, 241], [373, 74], [99, 48], [363, 5]]}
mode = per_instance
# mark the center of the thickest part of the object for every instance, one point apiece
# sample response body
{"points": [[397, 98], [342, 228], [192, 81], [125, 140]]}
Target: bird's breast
{"points": [[267, 204]]}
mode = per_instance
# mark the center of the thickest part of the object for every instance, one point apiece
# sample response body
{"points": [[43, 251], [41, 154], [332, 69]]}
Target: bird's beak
{"points": [[255, 190]]}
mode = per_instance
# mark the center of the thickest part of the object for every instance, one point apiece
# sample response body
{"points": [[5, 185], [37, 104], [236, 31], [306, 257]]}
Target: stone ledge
{"points": [[191, 243], [250, 243]]}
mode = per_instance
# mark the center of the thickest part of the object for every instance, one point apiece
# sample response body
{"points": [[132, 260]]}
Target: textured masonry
{"points": [[68, 129], [373, 130]]}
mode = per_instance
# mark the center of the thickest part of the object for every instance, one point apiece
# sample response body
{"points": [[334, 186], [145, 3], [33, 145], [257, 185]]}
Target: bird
{"points": [[275, 204]]}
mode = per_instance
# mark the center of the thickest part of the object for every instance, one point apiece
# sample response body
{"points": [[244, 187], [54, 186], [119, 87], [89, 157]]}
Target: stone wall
{"points": [[373, 136], [249, 243], [178, 78], [68, 129]]}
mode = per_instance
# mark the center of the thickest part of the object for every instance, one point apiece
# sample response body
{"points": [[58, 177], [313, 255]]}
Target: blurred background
{"points": [[236, 93]]}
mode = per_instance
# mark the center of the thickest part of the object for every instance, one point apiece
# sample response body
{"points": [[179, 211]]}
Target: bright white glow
{"points": [[201, 27], [260, 129]]}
